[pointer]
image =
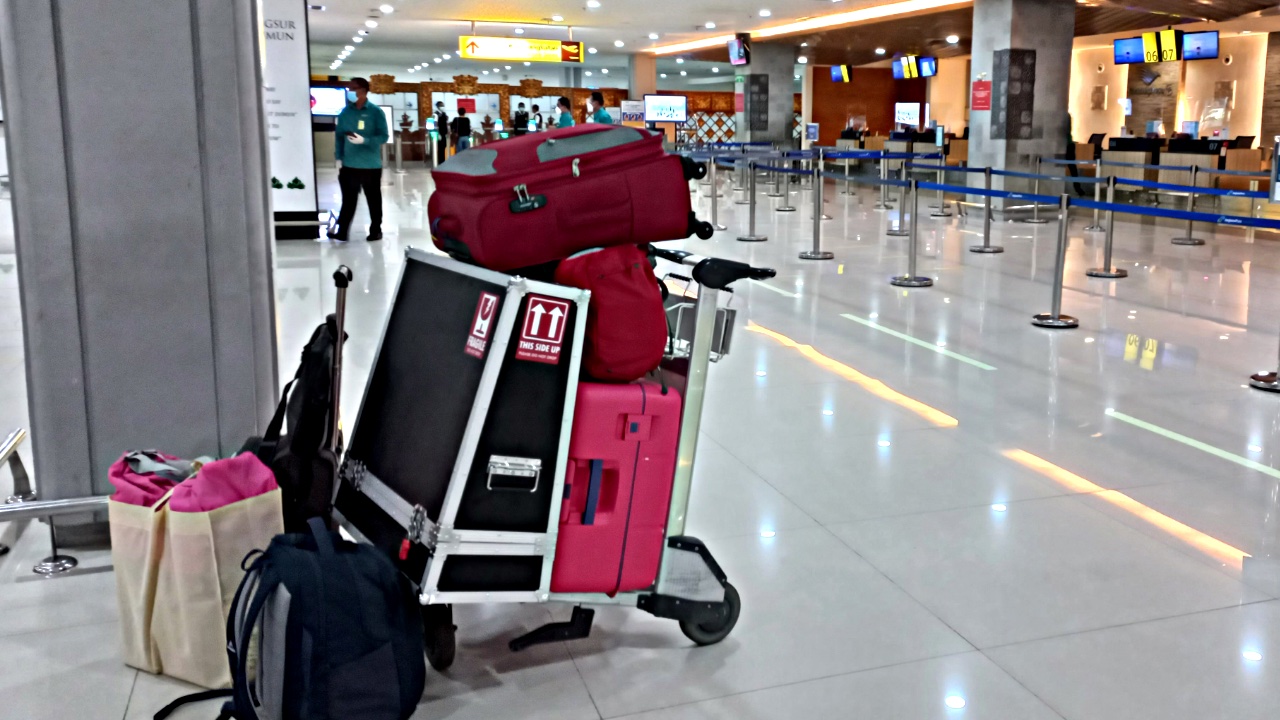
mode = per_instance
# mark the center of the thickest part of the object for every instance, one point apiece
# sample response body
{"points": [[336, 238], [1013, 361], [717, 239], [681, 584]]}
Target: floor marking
{"points": [[917, 341], [780, 291], [1207, 544], [1192, 442], [866, 382]]}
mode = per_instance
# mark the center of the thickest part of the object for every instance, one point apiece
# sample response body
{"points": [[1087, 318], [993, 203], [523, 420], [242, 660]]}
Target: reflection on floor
{"points": [[932, 508]]}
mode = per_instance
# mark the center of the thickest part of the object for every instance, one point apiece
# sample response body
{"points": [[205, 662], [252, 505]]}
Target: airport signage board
{"points": [[286, 96], [478, 47], [981, 99]]}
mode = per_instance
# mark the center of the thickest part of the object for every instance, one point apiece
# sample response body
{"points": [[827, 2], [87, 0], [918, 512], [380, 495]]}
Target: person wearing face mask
{"points": [[442, 132], [521, 121], [566, 113], [600, 115], [361, 131]]}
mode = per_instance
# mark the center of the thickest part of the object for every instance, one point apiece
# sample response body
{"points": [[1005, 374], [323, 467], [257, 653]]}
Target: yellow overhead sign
{"points": [[476, 47], [1162, 46]]}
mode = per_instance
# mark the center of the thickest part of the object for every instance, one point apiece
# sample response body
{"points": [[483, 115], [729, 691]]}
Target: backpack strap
{"points": [[324, 538], [194, 698], [277, 420]]}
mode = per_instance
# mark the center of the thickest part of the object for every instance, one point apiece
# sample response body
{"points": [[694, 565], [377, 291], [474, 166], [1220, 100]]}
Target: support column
{"points": [[1014, 39], [142, 229], [775, 63], [806, 102], [644, 76]]}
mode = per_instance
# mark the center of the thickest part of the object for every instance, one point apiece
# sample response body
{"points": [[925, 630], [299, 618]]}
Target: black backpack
{"points": [[337, 630], [302, 459]]}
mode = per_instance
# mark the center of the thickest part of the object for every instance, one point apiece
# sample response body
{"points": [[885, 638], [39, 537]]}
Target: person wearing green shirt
{"points": [[566, 113], [361, 131], [600, 115]]}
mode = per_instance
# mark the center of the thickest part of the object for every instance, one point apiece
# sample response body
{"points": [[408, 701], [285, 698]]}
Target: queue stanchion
{"points": [[1097, 197], [883, 202], [1054, 319], [942, 210], [901, 229], [819, 184], [988, 214], [739, 176], [1190, 238], [1254, 206], [817, 253], [911, 279], [1108, 270], [400, 156], [751, 235], [1035, 218], [776, 191], [786, 206], [715, 205], [846, 190]]}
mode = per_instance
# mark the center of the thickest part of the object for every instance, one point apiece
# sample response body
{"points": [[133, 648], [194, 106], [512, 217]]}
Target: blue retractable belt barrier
{"points": [[1236, 173], [1055, 178], [1234, 220], [878, 155], [1056, 161], [788, 171], [1175, 168], [983, 192], [1146, 184], [866, 180]]}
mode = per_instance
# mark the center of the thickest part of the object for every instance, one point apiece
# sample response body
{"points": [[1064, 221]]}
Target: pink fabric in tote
{"points": [[223, 482], [133, 488]]}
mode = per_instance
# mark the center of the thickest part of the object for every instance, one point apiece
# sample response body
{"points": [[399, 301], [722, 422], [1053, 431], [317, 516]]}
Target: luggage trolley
{"points": [[460, 467]]}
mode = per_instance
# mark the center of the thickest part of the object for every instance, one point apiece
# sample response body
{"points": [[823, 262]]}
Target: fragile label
{"points": [[482, 325], [542, 334]]}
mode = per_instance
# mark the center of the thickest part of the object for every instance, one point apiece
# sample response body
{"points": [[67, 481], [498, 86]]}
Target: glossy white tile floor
{"points": [[1077, 524]]}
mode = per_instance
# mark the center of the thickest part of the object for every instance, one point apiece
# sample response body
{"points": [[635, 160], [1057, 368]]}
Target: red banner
{"points": [[981, 99]]}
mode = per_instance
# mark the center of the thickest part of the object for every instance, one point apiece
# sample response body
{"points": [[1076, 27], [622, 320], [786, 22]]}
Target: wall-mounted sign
{"points": [[981, 99], [907, 114], [286, 95], [476, 47]]}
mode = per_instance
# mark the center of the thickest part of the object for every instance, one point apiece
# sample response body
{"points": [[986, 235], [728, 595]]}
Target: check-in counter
{"points": [[1140, 151], [957, 153], [897, 146], [1173, 160]]}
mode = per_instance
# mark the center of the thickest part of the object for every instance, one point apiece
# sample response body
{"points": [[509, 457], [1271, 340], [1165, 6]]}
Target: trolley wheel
{"points": [[694, 170], [713, 632], [705, 230], [439, 635]]}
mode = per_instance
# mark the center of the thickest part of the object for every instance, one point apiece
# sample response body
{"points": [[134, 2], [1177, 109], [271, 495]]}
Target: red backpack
{"points": [[626, 323]]}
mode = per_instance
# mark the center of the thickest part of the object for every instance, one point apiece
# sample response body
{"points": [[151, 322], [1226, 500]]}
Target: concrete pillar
{"points": [[140, 197], [806, 102], [777, 63], [644, 76], [1046, 29], [573, 76]]}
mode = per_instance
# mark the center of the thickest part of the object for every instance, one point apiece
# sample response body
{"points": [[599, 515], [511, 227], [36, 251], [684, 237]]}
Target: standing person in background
{"points": [[361, 131], [566, 113], [442, 133], [538, 125], [1070, 139], [461, 128], [599, 115], [521, 120]]}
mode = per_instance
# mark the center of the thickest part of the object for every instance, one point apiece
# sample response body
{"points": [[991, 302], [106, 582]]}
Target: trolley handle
{"points": [[716, 273]]}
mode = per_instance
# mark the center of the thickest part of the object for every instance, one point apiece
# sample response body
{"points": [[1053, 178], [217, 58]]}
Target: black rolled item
{"points": [[694, 170]]}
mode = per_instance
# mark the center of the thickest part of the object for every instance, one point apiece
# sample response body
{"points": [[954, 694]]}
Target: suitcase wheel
{"points": [[704, 230], [710, 633], [694, 170], [439, 635]]}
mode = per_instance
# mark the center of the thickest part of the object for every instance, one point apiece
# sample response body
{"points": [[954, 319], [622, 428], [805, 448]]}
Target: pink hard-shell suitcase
{"points": [[622, 457]]}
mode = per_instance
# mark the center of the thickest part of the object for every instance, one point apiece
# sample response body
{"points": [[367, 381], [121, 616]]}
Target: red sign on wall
{"points": [[469, 104], [981, 99]]}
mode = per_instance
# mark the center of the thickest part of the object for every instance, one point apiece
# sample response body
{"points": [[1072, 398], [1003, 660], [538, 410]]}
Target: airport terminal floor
{"points": [[932, 509]]}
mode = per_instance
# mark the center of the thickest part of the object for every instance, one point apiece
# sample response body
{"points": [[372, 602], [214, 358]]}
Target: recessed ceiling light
{"points": [[593, 4], [953, 39], [417, 67], [412, 70], [663, 75], [592, 51], [496, 70], [955, 702], [999, 507], [527, 63], [618, 43], [679, 61], [587, 73], [881, 51], [448, 57], [1246, 32], [486, 72], [604, 71], [557, 18], [362, 33], [715, 70], [371, 24], [683, 73], [804, 44], [519, 31], [386, 9], [802, 60], [438, 59], [653, 36], [508, 67], [1252, 655], [357, 39], [766, 13], [348, 47], [710, 25]]}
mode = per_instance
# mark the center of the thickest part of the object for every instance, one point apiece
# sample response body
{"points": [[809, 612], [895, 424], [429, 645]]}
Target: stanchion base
{"points": [[896, 232], [941, 213], [55, 565], [817, 255], [882, 206], [826, 216], [742, 202], [1095, 228], [775, 195], [1034, 221], [1266, 381], [786, 208], [717, 195], [720, 228], [1105, 273], [912, 282], [1187, 241], [986, 249], [705, 183], [1060, 322], [753, 238]]}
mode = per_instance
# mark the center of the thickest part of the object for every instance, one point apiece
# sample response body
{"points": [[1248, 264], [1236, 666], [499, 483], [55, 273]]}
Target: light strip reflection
{"points": [[866, 382], [1207, 544], [1192, 442], [933, 347]]}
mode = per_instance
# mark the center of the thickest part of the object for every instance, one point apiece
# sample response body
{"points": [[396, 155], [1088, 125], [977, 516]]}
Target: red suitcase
{"points": [[622, 458], [542, 197], [626, 322]]}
